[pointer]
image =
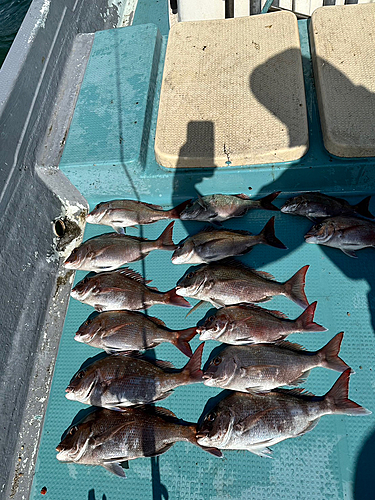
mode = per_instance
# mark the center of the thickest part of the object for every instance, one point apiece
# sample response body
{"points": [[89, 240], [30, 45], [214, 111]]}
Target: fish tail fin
{"points": [[330, 355], [175, 212], [183, 338], [362, 208], [192, 370], [165, 241], [337, 398], [295, 287], [269, 236], [305, 322], [172, 298], [266, 201], [191, 436]]}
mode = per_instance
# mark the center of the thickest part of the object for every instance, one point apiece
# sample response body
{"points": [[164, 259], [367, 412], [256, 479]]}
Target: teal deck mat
{"points": [[109, 154]]}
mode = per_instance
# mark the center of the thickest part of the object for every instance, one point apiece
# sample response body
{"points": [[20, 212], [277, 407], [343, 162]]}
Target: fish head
{"points": [[199, 210], [320, 233], [214, 326], [96, 215], [298, 204], [219, 371], [191, 282], [77, 258], [88, 330], [183, 252], [215, 428], [74, 444], [85, 288], [82, 384]]}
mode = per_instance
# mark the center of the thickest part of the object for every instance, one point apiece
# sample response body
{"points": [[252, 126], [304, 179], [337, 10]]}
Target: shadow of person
{"points": [[199, 151], [318, 170], [364, 481]]}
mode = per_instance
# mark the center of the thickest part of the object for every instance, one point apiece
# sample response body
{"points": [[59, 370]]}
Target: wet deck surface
{"points": [[334, 460]]}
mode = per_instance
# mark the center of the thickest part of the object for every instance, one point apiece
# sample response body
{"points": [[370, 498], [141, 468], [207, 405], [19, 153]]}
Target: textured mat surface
{"points": [[342, 40], [226, 94], [335, 460]]}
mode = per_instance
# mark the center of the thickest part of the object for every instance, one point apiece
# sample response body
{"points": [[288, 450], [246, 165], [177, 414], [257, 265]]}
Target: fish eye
{"points": [[73, 430], [217, 361], [81, 374], [190, 275], [211, 319], [211, 417]]}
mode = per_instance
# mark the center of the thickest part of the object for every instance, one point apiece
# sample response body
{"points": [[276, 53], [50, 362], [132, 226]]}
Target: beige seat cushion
{"points": [[232, 93], [343, 45]]}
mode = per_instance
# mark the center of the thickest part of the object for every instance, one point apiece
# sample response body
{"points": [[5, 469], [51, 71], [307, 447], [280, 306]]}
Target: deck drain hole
{"points": [[59, 228]]}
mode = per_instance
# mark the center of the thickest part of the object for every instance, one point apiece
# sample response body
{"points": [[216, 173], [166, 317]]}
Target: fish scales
{"points": [[108, 438], [263, 367], [119, 380], [122, 289], [248, 323], [127, 213], [216, 244], [111, 250], [346, 233], [233, 284], [116, 331], [221, 207], [254, 422]]}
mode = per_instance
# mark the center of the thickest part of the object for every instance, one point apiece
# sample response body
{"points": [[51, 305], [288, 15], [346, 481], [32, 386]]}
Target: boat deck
{"points": [[109, 154]]}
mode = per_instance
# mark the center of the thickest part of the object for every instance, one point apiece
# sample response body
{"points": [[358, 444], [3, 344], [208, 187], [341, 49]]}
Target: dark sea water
{"points": [[12, 13]]}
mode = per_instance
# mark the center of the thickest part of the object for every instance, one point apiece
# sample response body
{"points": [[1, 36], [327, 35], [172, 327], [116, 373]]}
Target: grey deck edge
{"points": [[39, 84]]}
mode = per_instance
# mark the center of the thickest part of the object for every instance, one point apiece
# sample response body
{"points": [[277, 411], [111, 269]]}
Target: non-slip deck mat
{"points": [[335, 460], [232, 93], [343, 53]]}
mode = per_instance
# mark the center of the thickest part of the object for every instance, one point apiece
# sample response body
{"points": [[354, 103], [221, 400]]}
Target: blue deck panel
{"points": [[334, 460]]}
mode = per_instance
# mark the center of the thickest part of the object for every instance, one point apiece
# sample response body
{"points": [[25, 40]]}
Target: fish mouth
{"points": [[202, 434], [71, 264]]}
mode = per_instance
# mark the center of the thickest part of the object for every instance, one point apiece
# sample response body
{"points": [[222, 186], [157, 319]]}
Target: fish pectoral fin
{"points": [[119, 229], [301, 379], [249, 422], [200, 303], [262, 452], [159, 452], [217, 303], [350, 253], [105, 436], [114, 329], [115, 468]]}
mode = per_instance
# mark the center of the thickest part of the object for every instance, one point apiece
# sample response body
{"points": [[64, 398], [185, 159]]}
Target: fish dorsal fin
{"points": [[151, 205], [263, 274], [134, 275], [164, 412], [254, 307], [211, 229], [201, 201], [231, 262], [278, 314], [290, 346], [242, 196], [164, 365], [157, 321], [298, 392]]}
